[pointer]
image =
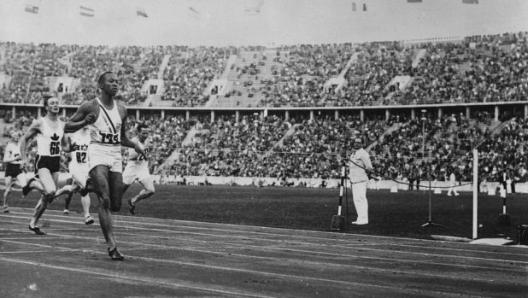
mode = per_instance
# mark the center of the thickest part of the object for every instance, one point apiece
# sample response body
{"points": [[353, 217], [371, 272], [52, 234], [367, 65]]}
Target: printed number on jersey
{"points": [[142, 157], [81, 157], [110, 138], [55, 148]]}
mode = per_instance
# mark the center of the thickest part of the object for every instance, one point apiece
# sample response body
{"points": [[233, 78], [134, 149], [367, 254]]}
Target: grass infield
{"points": [[391, 214]]}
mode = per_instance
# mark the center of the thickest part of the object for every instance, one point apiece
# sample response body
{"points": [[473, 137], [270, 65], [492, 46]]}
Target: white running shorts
{"points": [[109, 156]]}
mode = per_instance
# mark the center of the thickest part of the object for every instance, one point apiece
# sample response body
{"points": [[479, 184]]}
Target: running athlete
{"points": [[137, 169], [48, 131], [107, 121], [12, 160], [77, 146]]}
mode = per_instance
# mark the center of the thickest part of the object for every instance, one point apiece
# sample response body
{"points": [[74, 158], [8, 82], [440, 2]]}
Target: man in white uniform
{"points": [[77, 146], [359, 167], [137, 169], [49, 131], [13, 170], [107, 121]]}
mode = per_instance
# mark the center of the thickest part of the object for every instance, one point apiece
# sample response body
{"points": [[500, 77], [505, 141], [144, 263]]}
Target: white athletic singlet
{"points": [[106, 130], [105, 135], [80, 140], [49, 139], [12, 150], [137, 166], [136, 157]]}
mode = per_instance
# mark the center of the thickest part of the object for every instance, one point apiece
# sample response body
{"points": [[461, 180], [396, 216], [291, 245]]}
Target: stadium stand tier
{"points": [[290, 112]]}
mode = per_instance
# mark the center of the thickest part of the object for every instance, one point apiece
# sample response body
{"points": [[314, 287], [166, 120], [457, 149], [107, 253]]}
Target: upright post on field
{"points": [[338, 221], [347, 221], [475, 193]]}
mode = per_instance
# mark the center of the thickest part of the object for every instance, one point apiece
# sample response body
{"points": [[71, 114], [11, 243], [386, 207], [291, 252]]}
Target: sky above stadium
{"points": [[252, 22]]}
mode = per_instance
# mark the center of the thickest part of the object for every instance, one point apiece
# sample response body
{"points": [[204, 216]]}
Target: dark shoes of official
{"points": [[115, 255]]}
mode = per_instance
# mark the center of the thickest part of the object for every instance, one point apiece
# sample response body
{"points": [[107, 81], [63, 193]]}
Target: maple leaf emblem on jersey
{"points": [[55, 137]]}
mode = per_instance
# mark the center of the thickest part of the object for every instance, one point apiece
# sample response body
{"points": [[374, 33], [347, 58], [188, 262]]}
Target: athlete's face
{"points": [[358, 144], [143, 134], [15, 137], [109, 84], [53, 105]]}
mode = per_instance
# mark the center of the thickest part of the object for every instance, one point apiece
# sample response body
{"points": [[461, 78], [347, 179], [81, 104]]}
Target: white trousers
{"points": [[359, 193], [452, 189]]}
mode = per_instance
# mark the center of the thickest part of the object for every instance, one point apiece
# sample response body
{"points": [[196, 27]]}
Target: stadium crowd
{"points": [[302, 148], [477, 69]]}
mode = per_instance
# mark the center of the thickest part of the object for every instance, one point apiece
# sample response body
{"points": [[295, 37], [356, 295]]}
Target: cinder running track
{"points": [[170, 258]]}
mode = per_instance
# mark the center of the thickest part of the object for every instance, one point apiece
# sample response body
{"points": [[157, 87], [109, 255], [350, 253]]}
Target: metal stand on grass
{"points": [[430, 223], [504, 218], [347, 226]]}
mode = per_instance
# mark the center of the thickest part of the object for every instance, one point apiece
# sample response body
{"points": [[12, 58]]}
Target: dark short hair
{"points": [[47, 98], [101, 77], [141, 126]]}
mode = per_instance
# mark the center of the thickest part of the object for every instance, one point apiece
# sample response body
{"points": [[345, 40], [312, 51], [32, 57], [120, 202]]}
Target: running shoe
{"points": [[132, 207], [5, 209], [115, 255], [66, 212], [26, 189], [89, 220], [37, 230]]}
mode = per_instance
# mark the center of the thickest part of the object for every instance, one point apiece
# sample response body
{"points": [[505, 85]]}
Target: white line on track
{"points": [[127, 277], [29, 251], [274, 249], [427, 254], [148, 221], [209, 288], [133, 225]]}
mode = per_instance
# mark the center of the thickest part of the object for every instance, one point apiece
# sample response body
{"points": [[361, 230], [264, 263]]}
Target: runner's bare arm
{"points": [[32, 131], [66, 144], [125, 141], [84, 115]]}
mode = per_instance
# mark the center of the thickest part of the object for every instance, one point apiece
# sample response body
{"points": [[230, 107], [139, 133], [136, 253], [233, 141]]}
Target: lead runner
{"points": [[107, 121]]}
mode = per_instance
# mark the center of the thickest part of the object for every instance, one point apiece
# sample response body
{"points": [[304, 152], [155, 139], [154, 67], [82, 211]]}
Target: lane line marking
{"points": [[210, 288], [502, 261], [179, 284]]}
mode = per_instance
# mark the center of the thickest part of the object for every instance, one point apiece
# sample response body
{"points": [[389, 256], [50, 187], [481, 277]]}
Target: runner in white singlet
{"points": [[137, 169], [13, 171], [48, 131], [107, 121], [77, 146]]}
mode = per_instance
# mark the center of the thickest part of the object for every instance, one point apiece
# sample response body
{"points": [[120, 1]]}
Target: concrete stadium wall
{"points": [[491, 188], [437, 186]]}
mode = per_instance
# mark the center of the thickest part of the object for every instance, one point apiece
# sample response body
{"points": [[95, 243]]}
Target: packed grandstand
{"points": [[290, 112]]}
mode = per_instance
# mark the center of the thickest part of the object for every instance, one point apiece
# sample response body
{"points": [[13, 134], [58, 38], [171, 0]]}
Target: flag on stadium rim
{"points": [[32, 6], [414, 1], [86, 11], [31, 9], [354, 6], [470, 1], [141, 13]]}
